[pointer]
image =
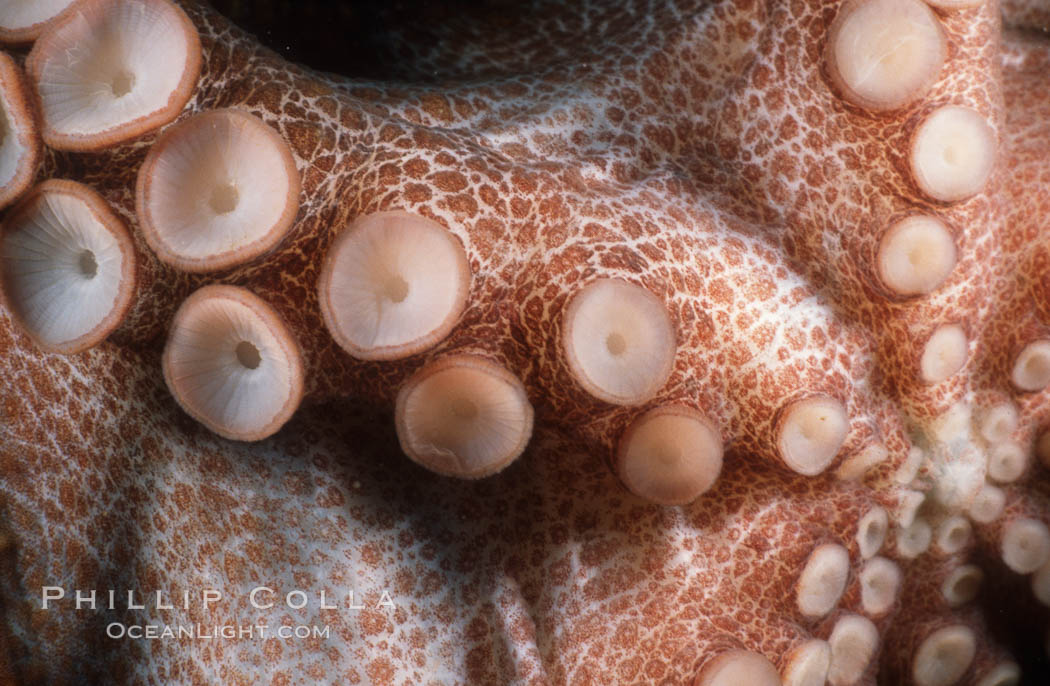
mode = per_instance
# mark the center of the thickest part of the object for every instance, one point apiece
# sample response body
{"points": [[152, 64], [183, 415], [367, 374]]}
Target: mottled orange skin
{"points": [[701, 154]]}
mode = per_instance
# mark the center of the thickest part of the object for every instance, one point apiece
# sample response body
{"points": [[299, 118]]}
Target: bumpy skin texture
{"points": [[693, 148]]}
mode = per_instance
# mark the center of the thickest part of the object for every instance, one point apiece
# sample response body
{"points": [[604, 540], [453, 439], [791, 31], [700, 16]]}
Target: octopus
{"points": [[678, 342]]}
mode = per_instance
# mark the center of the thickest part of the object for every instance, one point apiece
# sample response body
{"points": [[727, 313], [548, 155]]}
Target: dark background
{"points": [[366, 38]]}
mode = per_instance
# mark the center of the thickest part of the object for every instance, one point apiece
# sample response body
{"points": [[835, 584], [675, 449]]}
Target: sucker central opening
{"points": [[897, 51], [877, 583], [122, 83], [464, 408], [224, 198], [965, 586], [813, 430], [395, 289], [666, 454], [248, 355], [87, 264], [616, 344], [957, 537], [1038, 366]]}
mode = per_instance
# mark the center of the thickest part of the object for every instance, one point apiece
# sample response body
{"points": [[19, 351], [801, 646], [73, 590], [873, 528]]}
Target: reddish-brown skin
{"points": [[700, 153]]}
